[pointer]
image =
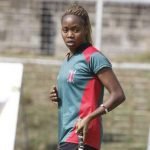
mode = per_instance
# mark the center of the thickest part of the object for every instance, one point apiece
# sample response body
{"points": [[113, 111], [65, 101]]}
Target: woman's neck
{"points": [[79, 48]]}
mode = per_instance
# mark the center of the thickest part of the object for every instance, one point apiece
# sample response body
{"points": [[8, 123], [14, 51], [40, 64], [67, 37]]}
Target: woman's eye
{"points": [[64, 30], [76, 30]]}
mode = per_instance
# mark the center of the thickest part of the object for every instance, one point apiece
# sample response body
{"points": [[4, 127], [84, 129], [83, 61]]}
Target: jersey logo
{"points": [[71, 76]]}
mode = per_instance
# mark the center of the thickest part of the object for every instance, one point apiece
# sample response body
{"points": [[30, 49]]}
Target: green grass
{"points": [[142, 57]]}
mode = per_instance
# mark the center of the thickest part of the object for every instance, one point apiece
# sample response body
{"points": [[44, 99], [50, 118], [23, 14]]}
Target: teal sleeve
{"points": [[98, 61]]}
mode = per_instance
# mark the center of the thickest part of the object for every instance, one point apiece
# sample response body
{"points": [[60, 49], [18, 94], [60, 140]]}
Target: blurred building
{"points": [[34, 26]]}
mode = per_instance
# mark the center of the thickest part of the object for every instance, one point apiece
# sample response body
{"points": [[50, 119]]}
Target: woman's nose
{"points": [[70, 34]]}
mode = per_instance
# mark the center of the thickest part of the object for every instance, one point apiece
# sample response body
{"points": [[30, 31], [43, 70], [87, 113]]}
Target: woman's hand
{"points": [[82, 126], [54, 95]]}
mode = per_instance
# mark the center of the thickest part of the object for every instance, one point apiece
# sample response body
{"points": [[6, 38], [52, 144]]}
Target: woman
{"points": [[80, 84]]}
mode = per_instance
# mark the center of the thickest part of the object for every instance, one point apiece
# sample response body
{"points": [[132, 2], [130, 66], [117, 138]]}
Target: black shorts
{"points": [[73, 146]]}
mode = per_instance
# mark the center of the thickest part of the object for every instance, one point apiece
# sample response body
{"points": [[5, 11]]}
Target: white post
{"points": [[10, 85], [148, 144], [98, 30]]}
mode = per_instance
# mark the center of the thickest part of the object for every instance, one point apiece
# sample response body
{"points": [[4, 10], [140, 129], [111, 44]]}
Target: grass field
{"points": [[125, 128]]}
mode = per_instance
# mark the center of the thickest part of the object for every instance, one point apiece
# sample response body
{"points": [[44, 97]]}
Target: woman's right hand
{"points": [[54, 95]]}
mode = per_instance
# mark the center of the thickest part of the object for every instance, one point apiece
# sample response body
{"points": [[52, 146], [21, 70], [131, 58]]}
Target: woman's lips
{"points": [[70, 43]]}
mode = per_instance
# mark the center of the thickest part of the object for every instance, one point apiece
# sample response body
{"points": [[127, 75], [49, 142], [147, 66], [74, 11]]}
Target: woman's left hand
{"points": [[82, 126]]}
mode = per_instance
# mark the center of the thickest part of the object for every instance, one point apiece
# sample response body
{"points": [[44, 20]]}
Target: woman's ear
{"points": [[86, 30], [86, 33]]}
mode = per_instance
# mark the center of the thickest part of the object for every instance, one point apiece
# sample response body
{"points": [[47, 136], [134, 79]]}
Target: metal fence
{"points": [[30, 26]]}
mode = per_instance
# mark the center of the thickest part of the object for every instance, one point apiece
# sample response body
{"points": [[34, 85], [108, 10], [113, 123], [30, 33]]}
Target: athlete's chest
{"points": [[75, 71]]}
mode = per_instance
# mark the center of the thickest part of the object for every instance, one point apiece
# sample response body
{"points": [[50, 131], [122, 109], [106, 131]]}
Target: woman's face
{"points": [[73, 31]]}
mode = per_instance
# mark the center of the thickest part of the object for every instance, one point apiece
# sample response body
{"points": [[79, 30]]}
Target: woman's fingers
{"points": [[53, 97], [53, 94], [82, 127], [84, 132], [78, 126]]}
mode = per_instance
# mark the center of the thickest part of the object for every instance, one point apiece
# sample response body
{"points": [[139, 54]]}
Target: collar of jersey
{"points": [[82, 47]]}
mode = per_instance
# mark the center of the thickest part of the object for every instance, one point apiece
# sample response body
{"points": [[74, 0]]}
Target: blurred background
{"points": [[30, 34]]}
